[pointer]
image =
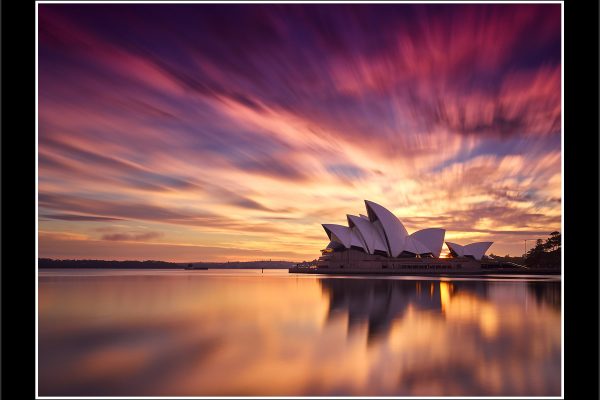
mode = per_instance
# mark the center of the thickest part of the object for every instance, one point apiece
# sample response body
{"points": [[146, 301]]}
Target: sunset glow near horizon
{"points": [[222, 132]]}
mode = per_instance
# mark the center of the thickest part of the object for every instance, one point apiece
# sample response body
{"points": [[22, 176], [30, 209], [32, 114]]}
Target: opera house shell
{"points": [[380, 240]]}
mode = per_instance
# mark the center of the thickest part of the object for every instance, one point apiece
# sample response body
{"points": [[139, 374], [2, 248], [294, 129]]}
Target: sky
{"points": [[225, 132]]}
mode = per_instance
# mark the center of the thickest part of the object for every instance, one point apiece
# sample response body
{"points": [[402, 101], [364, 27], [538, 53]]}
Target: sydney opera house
{"points": [[379, 241]]}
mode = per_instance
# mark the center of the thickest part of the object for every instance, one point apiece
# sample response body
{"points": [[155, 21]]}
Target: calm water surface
{"points": [[194, 333]]}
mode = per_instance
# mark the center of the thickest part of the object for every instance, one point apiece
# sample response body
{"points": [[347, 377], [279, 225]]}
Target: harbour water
{"points": [[253, 333]]}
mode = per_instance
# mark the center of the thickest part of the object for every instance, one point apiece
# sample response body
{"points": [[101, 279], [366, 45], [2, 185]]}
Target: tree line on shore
{"points": [[153, 264], [545, 254], [149, 264]]}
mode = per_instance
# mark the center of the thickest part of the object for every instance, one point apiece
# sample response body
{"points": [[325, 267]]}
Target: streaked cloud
{"points": [[133, 237], [76, 217], [245, 126]]}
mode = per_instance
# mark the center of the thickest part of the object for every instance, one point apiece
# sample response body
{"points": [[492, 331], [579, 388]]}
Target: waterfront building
{"points": [[379, 241]]}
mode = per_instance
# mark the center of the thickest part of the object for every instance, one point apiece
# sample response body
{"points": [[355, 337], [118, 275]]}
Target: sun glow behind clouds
{"points": [[230, 132]]}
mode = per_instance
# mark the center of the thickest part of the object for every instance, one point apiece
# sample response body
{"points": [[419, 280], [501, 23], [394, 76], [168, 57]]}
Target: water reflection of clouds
{"points": [[212, 334]]}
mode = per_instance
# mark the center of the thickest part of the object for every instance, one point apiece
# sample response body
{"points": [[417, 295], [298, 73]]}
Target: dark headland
{"points": [[45, 263]]}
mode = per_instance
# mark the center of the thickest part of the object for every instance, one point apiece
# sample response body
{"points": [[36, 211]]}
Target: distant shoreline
{"points": [[47, 263]]}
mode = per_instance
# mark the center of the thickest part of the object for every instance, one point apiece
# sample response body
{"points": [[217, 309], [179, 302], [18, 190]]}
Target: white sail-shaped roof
{"points": [[373, 241], [432, 238], [382, 231], [339, 233], [356, 239], [414, 246], [380, 235], [421, 247], [394, 232], [456, 248], [334, 245], [477, 250]]}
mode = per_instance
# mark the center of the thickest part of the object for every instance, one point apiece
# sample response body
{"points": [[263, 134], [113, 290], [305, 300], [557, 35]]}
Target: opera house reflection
{"points": [[244, 333], [378, 302], [467, 337]]}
